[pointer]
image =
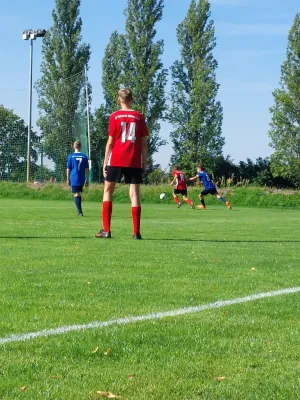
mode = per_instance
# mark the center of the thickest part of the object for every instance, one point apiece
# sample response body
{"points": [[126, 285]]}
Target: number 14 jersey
{"points": [[127, 127]]}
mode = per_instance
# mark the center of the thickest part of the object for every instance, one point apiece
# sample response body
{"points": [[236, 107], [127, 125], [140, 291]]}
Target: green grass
{"points": [[53, 272], [244, 196]]}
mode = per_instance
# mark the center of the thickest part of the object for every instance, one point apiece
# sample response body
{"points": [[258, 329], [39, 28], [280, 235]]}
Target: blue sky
{"points": [[251, 46]]}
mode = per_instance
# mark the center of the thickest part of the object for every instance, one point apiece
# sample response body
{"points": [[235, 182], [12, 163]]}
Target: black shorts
{"points": [[77, 189], [213, 192], [131, 175], [178, 191]]}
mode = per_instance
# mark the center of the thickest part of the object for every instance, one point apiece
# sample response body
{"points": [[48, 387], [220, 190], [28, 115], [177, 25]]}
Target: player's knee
{"points": [[108, 187]]}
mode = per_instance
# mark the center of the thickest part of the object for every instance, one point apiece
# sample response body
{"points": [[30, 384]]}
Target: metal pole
{"points": [[87, 110], [30, 112], [88, 119]]}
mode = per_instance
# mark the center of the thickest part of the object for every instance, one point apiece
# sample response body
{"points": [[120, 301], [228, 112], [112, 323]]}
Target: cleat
{"points": [[137, 237], [228, 205], [103, 235], [201, 206], [80, 214], [193, 207], [179, 205]]}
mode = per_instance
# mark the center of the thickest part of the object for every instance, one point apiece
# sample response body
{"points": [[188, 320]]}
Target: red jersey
{"points": [[180, 180], [128, 127]]}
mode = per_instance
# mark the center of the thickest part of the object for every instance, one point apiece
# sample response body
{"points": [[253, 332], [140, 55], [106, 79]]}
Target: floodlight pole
{"points": [[29, 112], [88, 119], [31, 35]]}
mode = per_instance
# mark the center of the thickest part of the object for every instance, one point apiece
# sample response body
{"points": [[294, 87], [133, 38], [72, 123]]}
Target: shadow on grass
{"points": [[154, 239]]}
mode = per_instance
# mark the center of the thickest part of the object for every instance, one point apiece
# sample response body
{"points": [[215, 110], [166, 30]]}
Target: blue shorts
{"points": [[212, 191], [77, 189]]}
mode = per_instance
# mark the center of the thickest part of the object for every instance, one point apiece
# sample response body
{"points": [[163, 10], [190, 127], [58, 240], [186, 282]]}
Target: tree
{"points": [[149, 77], [99, 127], [195, 113], [60, 89], [116, 72], [133, 60], [13, 146], [285, 125]]}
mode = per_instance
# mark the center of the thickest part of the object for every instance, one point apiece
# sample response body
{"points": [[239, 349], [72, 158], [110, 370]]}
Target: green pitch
{"points": [[54, 273]]}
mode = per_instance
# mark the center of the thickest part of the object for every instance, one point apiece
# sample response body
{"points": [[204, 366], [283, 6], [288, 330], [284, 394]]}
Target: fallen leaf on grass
{"points": [[95, 351], [107, 351], [220, 378], [253, 269], [108, 395], [131, 377], [23, 388], [89, 283]]}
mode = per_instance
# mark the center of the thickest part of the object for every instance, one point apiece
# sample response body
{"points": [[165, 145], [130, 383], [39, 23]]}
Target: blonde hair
{"points": [[125, 95], [77, 144]]}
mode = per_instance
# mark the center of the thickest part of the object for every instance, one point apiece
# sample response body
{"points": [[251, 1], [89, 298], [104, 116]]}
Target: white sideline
{"points": [[129, 320]]}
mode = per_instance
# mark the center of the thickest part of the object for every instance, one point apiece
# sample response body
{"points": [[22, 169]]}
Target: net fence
{"points": [[62, 120]]}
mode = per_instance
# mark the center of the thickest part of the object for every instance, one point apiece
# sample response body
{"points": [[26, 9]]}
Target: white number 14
{"points": [[128, 134]]}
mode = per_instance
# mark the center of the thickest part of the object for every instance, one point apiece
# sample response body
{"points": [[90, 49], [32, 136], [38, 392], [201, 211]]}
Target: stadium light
{"points": [[30, 34]]}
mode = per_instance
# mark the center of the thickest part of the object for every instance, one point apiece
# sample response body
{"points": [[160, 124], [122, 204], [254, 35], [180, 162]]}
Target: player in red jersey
{"points": [[125, 155], [180, 187]]}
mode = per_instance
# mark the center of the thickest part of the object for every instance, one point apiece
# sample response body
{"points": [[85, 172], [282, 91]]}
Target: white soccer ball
{"points": [[162, 196]]}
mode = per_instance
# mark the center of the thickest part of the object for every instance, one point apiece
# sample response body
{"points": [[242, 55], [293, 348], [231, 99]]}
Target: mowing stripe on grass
{"points": [[129, 320]]}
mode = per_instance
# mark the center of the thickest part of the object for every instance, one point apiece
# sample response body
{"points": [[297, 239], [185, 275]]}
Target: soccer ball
{"points": [[162, 196]]}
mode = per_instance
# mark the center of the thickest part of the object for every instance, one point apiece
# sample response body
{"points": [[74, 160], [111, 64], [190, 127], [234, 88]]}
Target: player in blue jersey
{"points": [[77, 174], [209, 187]]}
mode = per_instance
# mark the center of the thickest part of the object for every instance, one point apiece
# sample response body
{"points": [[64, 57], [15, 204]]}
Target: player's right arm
{"points": [[194, 178], [69, 167], [108, 149], [173, 181]]}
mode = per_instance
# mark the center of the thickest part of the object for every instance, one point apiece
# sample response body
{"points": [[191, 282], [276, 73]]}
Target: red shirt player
{"points": [[180, 187], [125, 155]]}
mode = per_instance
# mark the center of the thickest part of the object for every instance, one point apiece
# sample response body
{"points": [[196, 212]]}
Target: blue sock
{"points": [[222, 199], [78, 203]]}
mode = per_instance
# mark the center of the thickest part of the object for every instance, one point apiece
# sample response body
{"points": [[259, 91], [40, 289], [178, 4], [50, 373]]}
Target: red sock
{"points": [[106, 215], [136, 219], [177, 200], [189, 202]]}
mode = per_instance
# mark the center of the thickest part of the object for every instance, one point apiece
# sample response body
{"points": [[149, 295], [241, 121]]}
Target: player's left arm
{"points": [[193, 178], [87, 173]]}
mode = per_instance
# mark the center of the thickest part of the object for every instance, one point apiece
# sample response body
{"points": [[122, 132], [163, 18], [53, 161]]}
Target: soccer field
{"points": [[55, 274]]}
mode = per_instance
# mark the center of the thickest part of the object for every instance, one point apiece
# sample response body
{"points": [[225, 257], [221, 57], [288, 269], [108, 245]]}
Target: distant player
{"points": [[180, 187], [125, 155], [77, 174], [209, 187]]}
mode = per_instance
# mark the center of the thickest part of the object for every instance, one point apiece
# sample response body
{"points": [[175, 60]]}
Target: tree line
{"points": [[134, 59]]}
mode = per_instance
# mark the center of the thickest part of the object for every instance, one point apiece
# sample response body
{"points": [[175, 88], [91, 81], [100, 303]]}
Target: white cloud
{"points": [[253, 29]]}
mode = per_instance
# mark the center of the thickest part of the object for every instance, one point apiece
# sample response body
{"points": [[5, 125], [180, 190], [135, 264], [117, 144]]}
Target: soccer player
{"points": [[77, 174], [125, 155], [209, 187], [180, 187]]}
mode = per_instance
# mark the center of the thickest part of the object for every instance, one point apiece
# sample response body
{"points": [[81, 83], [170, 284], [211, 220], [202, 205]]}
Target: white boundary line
{"points": [[129, 320]]}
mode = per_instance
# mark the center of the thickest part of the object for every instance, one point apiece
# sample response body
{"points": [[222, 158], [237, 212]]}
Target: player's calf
{"points": [[190, 203], [223, 200]]}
